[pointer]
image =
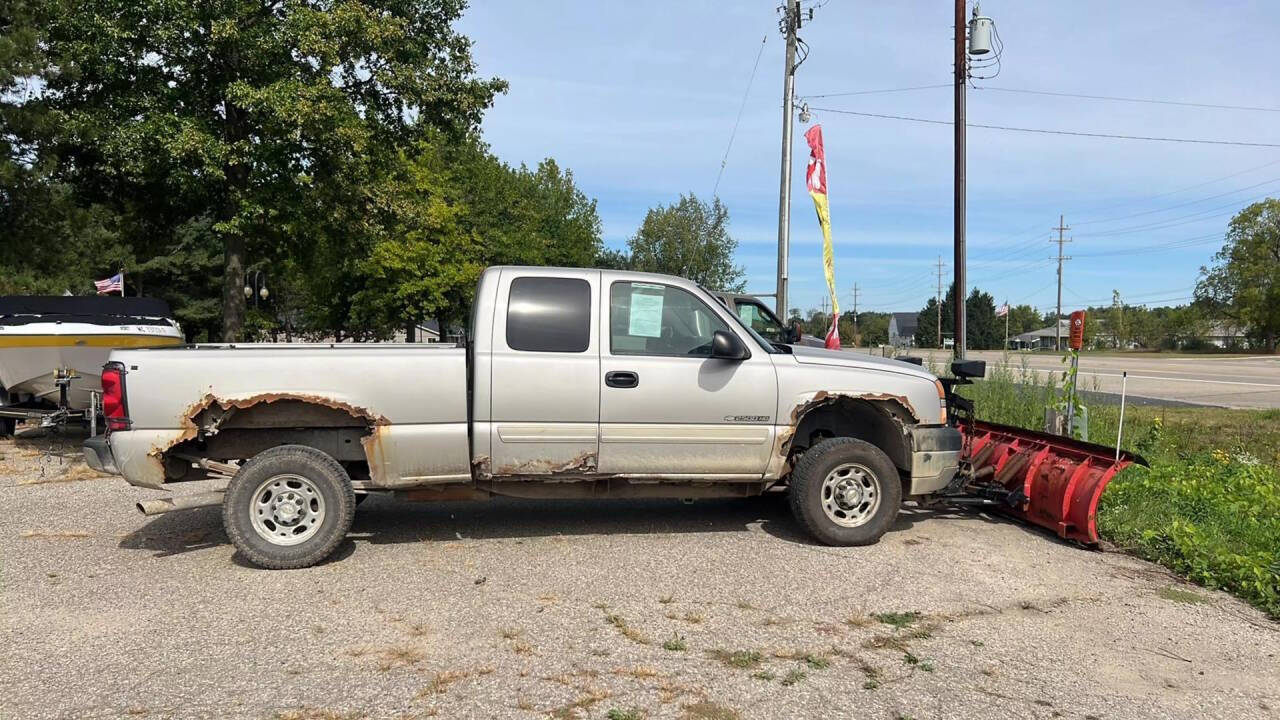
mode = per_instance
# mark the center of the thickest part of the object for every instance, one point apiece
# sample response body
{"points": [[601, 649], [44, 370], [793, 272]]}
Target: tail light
{"points": [[113, 403]]}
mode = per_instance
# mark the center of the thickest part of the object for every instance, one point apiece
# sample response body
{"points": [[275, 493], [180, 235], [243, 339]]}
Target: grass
{"points": [[706, 710], [792, 677], [1209, 506], [898, 620], [675, 643], [742, 659], [1178, 595], [631, 633], [628, 714]]}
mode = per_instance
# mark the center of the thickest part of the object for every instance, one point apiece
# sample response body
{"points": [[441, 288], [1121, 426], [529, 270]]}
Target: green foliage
{"points": [[284, 128], [1210, 506], [981, 326], [691, 239], [897, 619], [1214, 519], [1244, 282]]}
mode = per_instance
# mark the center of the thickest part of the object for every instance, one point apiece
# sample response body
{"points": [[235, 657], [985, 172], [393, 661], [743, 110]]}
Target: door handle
{"points": [[621, 379]]}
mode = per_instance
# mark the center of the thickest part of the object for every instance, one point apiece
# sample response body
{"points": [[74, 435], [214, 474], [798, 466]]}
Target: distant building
{"points": [[1226, 334], [902, 329], [1042, 339]]}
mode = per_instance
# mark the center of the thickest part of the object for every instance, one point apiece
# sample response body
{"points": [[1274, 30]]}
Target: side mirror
{"points": [[727, 346], [794, 333], [967, 369]]}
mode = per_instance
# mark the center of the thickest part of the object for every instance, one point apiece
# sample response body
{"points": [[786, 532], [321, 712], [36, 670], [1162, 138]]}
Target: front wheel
{"points": [[845, 491], [288, 507]]}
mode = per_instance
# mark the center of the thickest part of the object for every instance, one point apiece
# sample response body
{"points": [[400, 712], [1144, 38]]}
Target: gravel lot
{"points": [[540, 609]]}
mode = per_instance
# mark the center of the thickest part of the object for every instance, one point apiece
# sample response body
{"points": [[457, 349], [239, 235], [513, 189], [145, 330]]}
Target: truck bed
{"points": [[410, 400]]}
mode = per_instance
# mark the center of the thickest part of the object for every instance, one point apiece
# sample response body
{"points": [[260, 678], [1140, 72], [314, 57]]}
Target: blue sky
{"points": [[639, 99]]}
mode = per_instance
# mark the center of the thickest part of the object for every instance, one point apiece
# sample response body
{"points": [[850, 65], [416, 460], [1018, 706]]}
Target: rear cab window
{"points": [[549, 314]]}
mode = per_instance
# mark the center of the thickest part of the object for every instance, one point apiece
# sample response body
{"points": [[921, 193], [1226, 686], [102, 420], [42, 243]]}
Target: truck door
{"points": [[545, 405], [668, 408]]}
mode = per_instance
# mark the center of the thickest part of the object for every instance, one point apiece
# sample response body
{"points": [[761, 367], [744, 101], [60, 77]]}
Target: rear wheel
{"points": [[288, 507], [845, 491]]}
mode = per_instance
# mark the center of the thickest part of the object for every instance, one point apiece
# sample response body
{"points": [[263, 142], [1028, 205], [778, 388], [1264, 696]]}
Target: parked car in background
{"points": [[756, 315]]}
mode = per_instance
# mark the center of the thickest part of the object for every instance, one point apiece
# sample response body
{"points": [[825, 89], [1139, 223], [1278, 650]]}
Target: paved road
{"points": [[1226, 381], [560, 609]]}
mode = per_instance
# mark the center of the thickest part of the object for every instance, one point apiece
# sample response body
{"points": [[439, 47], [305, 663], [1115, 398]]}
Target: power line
{"points": [[1115, 98], [1201, 216], [1051, 93], [743, 106], [1180, 205], [1173, 245], [878, 92], [1043, 131]]}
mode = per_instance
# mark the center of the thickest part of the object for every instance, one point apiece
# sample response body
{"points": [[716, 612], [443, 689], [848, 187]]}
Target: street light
{"points": [[258, 282]]}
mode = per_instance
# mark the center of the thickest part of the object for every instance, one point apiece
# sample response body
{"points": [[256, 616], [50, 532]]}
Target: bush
{"points": [[1214, 519], [1209, 507]]}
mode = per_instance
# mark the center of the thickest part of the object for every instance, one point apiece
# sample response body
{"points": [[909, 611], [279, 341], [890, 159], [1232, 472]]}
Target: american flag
{"points": [[1002, 310], [115, 283]]}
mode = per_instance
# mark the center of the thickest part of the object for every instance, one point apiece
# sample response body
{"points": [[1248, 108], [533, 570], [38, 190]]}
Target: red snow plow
{"points": [[1047, 480]]}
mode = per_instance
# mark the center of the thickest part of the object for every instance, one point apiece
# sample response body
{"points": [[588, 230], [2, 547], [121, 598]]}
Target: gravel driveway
{"points": [[712, 610]]}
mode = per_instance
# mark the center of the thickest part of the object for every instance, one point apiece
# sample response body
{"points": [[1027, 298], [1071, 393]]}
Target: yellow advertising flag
{"points": [[816, 179]]}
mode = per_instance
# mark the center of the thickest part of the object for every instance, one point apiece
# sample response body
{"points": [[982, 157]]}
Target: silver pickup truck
{"points": [[577, 383]]}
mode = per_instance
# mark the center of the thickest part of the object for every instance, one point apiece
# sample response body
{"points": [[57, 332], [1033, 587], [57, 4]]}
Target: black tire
{"points": [[807, 492], [322, 488], [8, 426]]}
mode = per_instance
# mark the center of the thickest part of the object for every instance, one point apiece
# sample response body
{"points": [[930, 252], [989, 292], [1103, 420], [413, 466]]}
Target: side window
{"points": [[549, 314], [757, 318], [653, 319]]}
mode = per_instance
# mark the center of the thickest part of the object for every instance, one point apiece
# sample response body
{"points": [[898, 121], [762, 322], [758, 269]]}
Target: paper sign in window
{"points": [[646, 313]]}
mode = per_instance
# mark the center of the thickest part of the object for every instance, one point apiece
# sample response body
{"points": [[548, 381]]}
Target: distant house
{"points": [[902, 329], [428, 331], [1042, 339], [1226, 334]]}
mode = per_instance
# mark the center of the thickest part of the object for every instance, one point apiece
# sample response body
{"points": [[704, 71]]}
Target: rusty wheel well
{"points": [[882, 423], [223, 430]]}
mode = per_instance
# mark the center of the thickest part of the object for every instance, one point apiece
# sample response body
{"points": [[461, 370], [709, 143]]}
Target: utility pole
{"points": [[938, 302], [855, 315], [789, 24], [958, 221], [1057, 319]]}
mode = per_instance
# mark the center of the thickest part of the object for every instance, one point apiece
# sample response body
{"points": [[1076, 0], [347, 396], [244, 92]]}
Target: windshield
{"points": [[761, 340]]}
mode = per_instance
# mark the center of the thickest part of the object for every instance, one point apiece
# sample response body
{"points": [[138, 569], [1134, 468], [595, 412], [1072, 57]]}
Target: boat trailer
{"points": [[54, 417], [1040, 478]]}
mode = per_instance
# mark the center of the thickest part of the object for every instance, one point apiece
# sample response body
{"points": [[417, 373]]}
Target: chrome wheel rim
{"points": [[850, 495], [286, 509]]}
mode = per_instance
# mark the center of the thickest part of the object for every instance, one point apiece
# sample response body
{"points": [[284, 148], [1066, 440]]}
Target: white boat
{"points": [[42, 338]]}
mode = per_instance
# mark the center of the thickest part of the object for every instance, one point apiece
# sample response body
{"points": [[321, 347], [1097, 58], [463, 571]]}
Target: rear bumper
{"points": [[935, 457], [97, 454]]}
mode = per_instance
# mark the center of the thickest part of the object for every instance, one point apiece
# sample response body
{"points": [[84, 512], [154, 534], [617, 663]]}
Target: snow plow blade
{"points": [[1047, 480]]}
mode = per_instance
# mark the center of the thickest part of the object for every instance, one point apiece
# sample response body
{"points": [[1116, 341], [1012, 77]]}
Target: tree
{"points": [[1022, 319], [691, 239], [282, 125], [981, 329], [1244, 282]]}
